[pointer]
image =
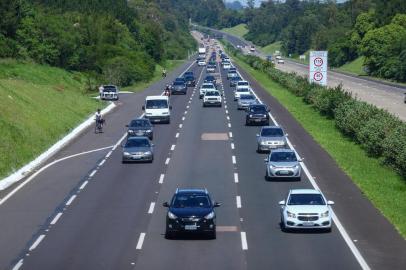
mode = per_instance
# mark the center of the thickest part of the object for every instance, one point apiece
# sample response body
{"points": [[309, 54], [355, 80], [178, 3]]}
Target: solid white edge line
{"points": [[244, 242], [37, 242], [18, 265], [151, 208], [56, 218], [235, 177], [71, 200], [340, 227], [167, 161], [109, 154], [140, 241], [161, 178], [233, 159], [84, 184], [238, 201]]}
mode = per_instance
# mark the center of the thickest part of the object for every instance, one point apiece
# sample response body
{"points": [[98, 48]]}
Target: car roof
{"points": [[191, 190], [243, 82], [282, 150], [138, 138], [268, 127], [304, 191], [156, 98]]}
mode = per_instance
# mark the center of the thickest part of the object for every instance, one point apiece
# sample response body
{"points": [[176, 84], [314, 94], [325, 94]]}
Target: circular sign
{"points": [[318, 76], [318, 62]]}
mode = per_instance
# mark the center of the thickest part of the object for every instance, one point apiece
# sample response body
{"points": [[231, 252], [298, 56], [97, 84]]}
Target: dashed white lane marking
{"points": [[226, 111], [238, 201], [177, 135], [71, 200], [234, 160], [228, 118], [37, 242], [180, 125], [185, 112], [187, 107], [102, 162], [18, 265], [173, 147], [84, 184], [230, 134], [56, 218], [232, 146], [161, 178], [244, 243], [183, 118], [109, 154], [225, 106], [93, 173], [235, 177], [151, 208], [140, 241], [229, 125], [167, 161]]}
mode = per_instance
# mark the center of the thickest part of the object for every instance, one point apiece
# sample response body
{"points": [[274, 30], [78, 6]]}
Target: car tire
{"points": [[212, 235], [267, 178], [328, 230], [298, 179], [151, 137], [169, 235], [169, 121], [247, 123], [259, 150]]}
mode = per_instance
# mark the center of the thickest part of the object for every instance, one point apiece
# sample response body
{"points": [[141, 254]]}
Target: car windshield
{"points": [[242, 83], [189, 73], [178, 83], [243, 90], [212, 93], [257, 109], [189, 78], [236, 78], [283, 157], [209, 78], [140, 123], [156, 104], [247, 97], [208, 86], [109, 89], [306, 199], [271, 132], [137, 143], [191, 200]]}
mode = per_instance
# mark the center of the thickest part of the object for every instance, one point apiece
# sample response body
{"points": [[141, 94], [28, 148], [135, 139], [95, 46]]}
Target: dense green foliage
{"points": [[381, 134], [118, 41]]}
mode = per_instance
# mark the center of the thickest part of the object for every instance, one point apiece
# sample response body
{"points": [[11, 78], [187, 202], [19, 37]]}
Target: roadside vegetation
{"points": [[271, 48], [366, 142], [239, 30], [354, 67]]}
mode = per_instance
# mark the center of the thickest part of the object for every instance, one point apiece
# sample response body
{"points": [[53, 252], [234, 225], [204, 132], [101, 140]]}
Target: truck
{"points": [[202, 51], [157, 109]]}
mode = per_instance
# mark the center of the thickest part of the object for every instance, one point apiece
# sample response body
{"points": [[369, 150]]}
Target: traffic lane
{"points": [[261, 212], [197, 163], [378, 241], [113, 205]]}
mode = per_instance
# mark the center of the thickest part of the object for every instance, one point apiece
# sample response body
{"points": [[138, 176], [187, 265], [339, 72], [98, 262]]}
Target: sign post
{"points": [[318, 67]]}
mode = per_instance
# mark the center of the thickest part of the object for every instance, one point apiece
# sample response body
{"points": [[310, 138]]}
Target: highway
{"points": [[93, 212], [384, 95]]}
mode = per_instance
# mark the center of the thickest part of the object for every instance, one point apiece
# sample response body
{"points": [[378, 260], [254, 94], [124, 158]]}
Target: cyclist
{"points": [[164, 73], [99, 121]]}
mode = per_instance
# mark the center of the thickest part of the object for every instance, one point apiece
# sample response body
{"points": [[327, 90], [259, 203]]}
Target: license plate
{"points": [[191, 227], [136, 157], [157, 120], [308, 224], [257, 120], [284, 172]]}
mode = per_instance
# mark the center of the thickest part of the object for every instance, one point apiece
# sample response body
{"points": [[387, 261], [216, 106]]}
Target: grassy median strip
{"points": [[382, 186]]}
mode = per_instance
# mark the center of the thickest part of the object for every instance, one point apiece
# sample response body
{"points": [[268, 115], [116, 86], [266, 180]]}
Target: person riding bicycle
{"points": [[99, 119], [164, 73]]}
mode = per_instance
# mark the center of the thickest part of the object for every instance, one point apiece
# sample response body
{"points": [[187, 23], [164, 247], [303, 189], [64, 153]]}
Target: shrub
{"points": [[394, 149]]}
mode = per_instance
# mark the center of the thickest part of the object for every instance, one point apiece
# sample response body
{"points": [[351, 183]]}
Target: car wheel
{"points": [[328, 230], [151, 137], [266, 175], [298, 179], [168, 235], [283, 227], [212, 235], [247, 123], [204, 105], [259, 150], [169, 121]]}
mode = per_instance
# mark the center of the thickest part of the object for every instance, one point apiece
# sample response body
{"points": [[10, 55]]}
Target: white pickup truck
{"points": [[109, 92]]}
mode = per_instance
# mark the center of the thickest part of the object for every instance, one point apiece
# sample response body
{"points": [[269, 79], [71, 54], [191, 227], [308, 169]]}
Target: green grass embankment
{"points": [[239, 30], [271, 48]]}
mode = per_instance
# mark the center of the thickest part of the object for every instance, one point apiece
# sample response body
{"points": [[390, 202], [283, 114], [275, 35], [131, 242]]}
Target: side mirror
{"points": [[257, 135], [268, 110], [165, 204], [170, 107], [216, 204], [282, 203], [287, 134], [300, 160], [126, 125], [143, 107], [330, 202]]}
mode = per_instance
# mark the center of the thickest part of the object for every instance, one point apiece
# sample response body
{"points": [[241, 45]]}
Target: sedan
{"points": [[178, 87], [245, 101], [241, 91], [138, 149], [234, 81], [282, 163], [271, 137], [140, 127], [306, 209]]}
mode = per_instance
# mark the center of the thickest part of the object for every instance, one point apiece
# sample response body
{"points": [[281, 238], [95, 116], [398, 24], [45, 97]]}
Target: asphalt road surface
{"points": [[93, 212], [383, 95]]}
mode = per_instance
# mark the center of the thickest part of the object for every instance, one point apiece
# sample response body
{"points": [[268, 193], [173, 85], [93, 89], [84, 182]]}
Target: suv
{"points": [[206, 87], [257, 114], [271, 137], [140, 127], [211, 68], [191, 210], [109, 92], [282, 163], [212, 98]]}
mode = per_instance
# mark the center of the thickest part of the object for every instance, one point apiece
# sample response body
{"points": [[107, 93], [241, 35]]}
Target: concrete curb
{"points": [[41, 159]]}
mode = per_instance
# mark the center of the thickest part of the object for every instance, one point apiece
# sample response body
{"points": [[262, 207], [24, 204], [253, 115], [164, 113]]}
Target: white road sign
{"points": [[318, 67]]}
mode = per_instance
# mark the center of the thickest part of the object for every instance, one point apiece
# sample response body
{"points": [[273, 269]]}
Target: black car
{"points": [[234, 80], [190, 80], [210, 79], [179, 87], [257, 114], [188, 73], [191, 210], [180, 79], [140, 127]]}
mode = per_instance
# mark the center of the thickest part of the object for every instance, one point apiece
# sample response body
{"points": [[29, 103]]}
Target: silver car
{"points": [[271, 137], [138, 149], [245, 101], [282, 163]]}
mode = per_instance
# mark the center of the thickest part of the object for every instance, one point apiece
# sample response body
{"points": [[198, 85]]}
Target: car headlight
{"points": [[147, 153], [272, 167], [209, 216], [130, 131], [291, 215], [325, 214], [171, 216], [296, 167], [126, 154], [251, 115], [148, 130], [262, 142]]}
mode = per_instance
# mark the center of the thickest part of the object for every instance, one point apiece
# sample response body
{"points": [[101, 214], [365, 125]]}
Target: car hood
{"points": [[309, 209], [136, 149], [189, 212], [283, 164], [178, 87]]}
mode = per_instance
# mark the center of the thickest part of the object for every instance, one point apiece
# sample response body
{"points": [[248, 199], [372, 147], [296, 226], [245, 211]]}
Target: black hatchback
{"points": [[257, 114], [191, 210], [140, 127]]}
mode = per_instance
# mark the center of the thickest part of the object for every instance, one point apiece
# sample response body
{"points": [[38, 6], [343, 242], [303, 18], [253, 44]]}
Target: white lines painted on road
{"points": [[93, 173], [187, 107], [102, 162], [238, 201], [177, 135], [167, 161], [140, 241], [225, 106], [161, 178], [234, 160], [151, 208], [226, 111], [37, 242], [183, 118], [185, 112], [232, 146], [173, 147], [244, 242], [180, 125], [56, 218], [71, 200], [84, 184], [109, 154], [18, 265], [228, 118], [235, 177], [229, 125], [230, 134]]}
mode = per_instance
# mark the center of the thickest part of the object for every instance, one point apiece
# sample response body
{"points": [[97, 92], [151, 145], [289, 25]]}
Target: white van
{"points": [[157, 109]]}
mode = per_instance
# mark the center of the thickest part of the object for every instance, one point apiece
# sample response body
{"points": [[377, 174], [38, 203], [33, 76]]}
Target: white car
{"points": [[206, 87], [109, 92], [242, 84], [306, 209], [280, 61], [226, 65], [201, 63], [212, 98], [241, 91]]}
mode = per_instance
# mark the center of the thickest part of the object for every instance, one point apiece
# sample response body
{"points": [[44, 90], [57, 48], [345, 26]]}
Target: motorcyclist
{"points": [[167, 91]]}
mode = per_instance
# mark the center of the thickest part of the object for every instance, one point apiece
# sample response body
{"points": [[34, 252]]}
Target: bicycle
{"points": [[98, 128]]}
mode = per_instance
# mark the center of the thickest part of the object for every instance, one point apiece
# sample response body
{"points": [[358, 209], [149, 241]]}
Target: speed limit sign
{"points": [[318, 76], [318, 62], [318, 67]]}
